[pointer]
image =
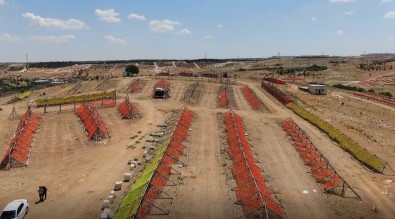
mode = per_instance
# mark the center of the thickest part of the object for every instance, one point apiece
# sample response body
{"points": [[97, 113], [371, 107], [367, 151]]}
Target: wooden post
{"points": [[102, 100]]}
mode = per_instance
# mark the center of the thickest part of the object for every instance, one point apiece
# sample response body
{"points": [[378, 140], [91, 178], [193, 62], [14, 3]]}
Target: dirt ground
{"points": [[80, 173]]}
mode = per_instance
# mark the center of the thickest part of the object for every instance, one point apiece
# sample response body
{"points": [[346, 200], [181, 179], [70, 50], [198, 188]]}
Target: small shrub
{"points": [[352, 88], [388, 94]]}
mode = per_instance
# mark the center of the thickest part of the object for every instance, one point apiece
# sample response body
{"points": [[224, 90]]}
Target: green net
{"points": [[77, 99], [360, 153]]}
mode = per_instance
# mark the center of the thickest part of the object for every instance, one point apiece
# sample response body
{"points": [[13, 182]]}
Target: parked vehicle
{"points": [[16, 209]]}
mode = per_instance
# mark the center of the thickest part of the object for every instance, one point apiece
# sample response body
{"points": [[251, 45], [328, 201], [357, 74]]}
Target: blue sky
{"points": [[50, 30]]}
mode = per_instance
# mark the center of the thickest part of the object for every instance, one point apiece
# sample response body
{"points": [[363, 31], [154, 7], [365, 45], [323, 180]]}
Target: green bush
{"points": [[371, 90], [316, 68], [345, 87], [132, 69], [388, 94]]}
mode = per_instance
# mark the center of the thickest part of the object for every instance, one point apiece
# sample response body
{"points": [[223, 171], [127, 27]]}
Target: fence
{"points": [[251, 191], [320, 168], [108, 97], [358, 152], [252, 99], [278, 94], [94, 125], [193, 93], [376, 97], [18, 152], [274, 80], [128, 110], [223, 99], [164, 84], [140, 199], [226, 97], [135, 86]]}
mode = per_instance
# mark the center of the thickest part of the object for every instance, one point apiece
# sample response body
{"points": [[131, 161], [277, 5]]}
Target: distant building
{"points": [[318, 89]]}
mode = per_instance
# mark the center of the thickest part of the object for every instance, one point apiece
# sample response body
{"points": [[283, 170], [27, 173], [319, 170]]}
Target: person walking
{"points": [[45, 192], [41, 193]]}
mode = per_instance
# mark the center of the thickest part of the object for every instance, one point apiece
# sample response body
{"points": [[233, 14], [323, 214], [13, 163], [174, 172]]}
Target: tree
{"points": [[388, 94], [132, 69]]}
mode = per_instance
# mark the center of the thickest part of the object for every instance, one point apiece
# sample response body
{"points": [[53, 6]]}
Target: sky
{"points": [[84, 30]]}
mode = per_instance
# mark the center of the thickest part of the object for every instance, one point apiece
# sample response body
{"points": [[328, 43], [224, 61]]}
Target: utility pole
{"points": [[27, 61]]}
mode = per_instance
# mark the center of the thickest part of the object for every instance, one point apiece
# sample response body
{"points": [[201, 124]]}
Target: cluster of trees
{"points": [[352, 88], [336, 62], [52, 64], [386, 93], [15, 68], [58, 64], [16, 85], [376, 65], [359, 89], [316, 68], [301, 70], [132, 69], [287, 71], [258, 69]]}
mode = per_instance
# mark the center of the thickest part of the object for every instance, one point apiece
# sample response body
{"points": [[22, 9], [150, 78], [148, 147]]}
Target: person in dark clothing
{"points": [[45, 192], [41, 193]]}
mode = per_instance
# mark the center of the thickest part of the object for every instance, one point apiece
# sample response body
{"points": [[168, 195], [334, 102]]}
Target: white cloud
{"points": [[116, 41], [2, 2], [109, 16], [208, 37], [183, 32], [163, 26], [390, 15], [137, 16], [339, 32], [53, 22], [387, 0], [349, 13], [220, 26], [341, 1], [9, 38], [53, 39], [313, 19]]}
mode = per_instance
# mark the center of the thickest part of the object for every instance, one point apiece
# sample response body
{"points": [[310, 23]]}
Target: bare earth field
{"points": [[80, 173]]}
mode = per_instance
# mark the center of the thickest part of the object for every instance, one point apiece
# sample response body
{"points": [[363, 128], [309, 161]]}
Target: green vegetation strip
{"points": [[77, 99], [131, 202], [24, 95], [360, 153]]}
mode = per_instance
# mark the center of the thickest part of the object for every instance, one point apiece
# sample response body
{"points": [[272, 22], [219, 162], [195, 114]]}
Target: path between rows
{"points": [[204, 183]]}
